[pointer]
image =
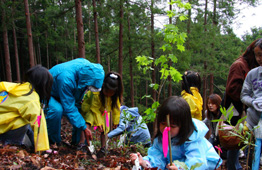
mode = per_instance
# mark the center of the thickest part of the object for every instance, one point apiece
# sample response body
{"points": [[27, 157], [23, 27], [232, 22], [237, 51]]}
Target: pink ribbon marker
{"points": [[38, 120], [107, 120], [165, 141], [218, 148]]}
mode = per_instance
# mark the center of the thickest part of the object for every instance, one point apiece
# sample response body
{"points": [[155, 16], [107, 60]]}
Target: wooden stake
{"points": [[169, 140]]}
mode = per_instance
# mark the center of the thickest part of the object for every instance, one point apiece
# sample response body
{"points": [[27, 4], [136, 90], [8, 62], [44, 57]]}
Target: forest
{"points": [[114, 33], [125, 36]]}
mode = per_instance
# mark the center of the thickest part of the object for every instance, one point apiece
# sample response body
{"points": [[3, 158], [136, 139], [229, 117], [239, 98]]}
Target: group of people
{"points": [[31, 111], [80, 91]]}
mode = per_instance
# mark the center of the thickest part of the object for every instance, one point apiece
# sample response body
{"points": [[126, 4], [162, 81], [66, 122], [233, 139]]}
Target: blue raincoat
{"points": [[71, 79], [137, 131], [197, 150]]}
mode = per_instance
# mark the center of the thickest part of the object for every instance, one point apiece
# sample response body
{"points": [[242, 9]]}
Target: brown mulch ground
{"points": [[13, 157]]}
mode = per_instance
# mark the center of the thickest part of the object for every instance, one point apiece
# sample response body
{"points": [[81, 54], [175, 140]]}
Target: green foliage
{"points": [[172, 37], [183, 166], [243, 136]]}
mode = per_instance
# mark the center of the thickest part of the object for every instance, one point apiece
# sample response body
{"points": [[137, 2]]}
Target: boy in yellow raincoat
{"points": [[20, 109]]}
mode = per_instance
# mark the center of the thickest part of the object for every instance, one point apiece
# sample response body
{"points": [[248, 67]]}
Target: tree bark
{"points": [[215, 13], [153, 63], [47, 51], [204, 88], [29, 34], [120, 56], [96, 33], [130, 65], [169, 62], [211, 86], [6, 47], [153, 49], [18, 77], [80, 29]]}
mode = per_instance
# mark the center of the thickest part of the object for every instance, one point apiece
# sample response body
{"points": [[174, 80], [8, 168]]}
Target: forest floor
{"points": [[67, 156]]}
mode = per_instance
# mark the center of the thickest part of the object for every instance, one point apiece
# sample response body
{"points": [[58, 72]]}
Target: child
{"points": [[212, 113], [20, 108], [96, 106], [251, 96], [188, 141], [191, 85], [131, 123]]}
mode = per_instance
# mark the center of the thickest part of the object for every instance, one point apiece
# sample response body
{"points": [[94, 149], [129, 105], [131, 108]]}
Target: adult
{"points": [[20, 109], [71, 80], [131, 124], [236, 76]]}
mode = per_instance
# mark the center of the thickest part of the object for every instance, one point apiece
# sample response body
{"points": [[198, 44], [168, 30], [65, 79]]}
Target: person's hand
{"points": [[88, 135], [115, 126], [172, 167], [100, 129], [143, 163], [133, 157], [257, 105]]}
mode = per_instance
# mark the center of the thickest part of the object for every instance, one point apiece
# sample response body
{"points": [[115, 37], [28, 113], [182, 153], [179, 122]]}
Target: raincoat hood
{"points": [[133, 111], [200, 133], [84, 72], [15, 89]]}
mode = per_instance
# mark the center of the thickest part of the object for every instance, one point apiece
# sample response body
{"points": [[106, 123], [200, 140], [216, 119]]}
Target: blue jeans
{"points": [[233, 160], [20, 136]]}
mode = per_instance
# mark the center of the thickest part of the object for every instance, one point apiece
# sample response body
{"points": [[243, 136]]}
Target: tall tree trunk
{"points": [[6, 46], [29, 34], [130, 66], [189, 19], [188, 26], [169, 62], [18, 77], [39, 51], [120, 56], [153, 63], [215, 13], [89, 22], [2, 71], [153, 49], [98, 57], [16, 54], [47, 51], [204, 88], [211, 86], [205, 63], [80, 29]]}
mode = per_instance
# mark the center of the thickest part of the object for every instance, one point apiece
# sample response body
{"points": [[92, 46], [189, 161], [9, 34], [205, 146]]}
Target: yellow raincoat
{"points": [[92, 110], [195, 102], [18, 109]]}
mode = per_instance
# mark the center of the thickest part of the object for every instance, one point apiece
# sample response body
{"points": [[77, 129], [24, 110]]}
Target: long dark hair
{"points": [[112, 81], [249, 54], [215, 99], [191, 79], [41, 81], [180, 115]]}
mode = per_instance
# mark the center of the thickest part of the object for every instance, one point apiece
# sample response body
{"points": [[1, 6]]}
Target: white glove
{"points": [[257, 104]]}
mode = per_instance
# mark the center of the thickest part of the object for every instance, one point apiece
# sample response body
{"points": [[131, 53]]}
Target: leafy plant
{"points": [[172, 37], [237, 130], [183, 166]]}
